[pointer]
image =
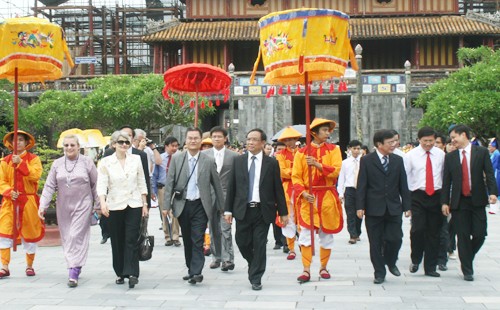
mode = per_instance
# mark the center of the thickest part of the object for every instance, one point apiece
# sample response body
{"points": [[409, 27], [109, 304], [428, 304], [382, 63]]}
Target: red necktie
{"points": [[168, 162], [429, 178], [465, 176]]}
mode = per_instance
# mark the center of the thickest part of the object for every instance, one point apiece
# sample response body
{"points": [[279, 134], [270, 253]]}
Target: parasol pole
{"points": [[196, 109], [308, 152], [14, 152]]}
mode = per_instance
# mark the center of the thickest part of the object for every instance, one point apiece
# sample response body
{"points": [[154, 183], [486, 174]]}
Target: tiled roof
{"points": [[362, 28]]}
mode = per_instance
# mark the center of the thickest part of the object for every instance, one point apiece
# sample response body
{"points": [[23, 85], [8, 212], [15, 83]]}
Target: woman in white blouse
{"points": [[122, 191]]}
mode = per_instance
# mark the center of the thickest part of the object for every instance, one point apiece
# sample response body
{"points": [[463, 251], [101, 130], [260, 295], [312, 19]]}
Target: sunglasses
{"points": [[69, 145], [122, 142]]}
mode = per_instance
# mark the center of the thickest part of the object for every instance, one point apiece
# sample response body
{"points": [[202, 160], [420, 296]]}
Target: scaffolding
{"points": [[106, 37]]}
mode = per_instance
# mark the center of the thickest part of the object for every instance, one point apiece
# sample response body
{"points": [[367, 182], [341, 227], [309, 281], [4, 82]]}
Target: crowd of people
{"points": [[443, 183]]}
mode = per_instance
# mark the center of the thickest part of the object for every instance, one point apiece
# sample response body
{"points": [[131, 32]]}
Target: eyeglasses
{"points": [[254, 139], [391, 142], [122, 142], [69, 145]]}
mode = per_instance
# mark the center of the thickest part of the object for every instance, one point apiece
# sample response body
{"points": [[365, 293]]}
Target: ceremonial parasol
{"points": [[82, 138], [196, 78], [33, 50], [301, 46]]}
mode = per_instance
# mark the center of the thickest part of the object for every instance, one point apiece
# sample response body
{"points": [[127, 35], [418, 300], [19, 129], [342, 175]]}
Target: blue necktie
{"points": [[191, 190], [251, 179], [385, 163]]}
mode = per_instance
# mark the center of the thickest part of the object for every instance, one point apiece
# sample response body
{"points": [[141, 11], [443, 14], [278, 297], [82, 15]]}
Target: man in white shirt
{"points": [[346, 187], [424, 169]]}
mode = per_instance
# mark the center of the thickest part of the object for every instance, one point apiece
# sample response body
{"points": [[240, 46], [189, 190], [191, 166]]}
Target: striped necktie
{"points": [[385, 163]]}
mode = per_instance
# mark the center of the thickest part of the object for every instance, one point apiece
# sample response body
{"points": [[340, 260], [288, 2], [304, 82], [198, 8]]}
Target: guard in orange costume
{"points": [[30, 228], [285, 159], [325, 160]]}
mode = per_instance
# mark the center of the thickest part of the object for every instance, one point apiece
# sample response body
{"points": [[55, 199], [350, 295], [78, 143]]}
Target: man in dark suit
{"points": [[383, 196], [467, 179], [193, 174], [103, 222], [221, 237], [254, 194]]}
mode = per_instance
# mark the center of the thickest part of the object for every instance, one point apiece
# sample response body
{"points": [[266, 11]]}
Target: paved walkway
{"points": [[160, 286]]}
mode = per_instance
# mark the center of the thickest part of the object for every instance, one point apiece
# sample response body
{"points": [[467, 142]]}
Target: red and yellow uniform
{"points": [[285, 160], [30, 228], [325, 161]]}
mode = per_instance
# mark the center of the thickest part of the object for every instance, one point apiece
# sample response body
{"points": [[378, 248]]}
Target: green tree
{"points": [[6, 107], [468, 96]]}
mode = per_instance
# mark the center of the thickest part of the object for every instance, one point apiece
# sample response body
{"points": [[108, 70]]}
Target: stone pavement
{"points": [[161, 286]]}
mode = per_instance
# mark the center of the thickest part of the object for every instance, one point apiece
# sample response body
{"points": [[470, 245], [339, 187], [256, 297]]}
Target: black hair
{"points": [[218, 129], [263, 135], [460, 129], [279, 143], [129, 127], [426, 131], [170, 140], [354, 143], [366, 149], [194, 129], [381, 135], [26, 137], [441, 136]]}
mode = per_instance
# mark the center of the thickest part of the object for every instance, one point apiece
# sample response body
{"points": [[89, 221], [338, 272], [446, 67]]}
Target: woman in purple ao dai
{"points": [[73, 177]]}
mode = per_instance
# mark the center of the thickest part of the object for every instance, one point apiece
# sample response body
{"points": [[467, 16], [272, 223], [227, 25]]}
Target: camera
{"points": [[177, 194], [149, 142]]}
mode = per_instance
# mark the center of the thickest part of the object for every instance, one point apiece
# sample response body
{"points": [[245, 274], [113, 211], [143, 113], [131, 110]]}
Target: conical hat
{"points": [[321, 121], [289, 133], [10, 146], [206, 141]]}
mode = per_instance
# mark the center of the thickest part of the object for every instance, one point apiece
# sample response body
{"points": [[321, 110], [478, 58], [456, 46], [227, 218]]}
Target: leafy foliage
{"points": [[6, 107], [469, 96]]}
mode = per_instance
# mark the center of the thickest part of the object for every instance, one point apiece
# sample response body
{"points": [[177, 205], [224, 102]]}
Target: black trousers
{"points": [[386, 236], [279, 239], [104, 224], [193, 221], [353, 221], [251, 238], [444, 243], [470, 225], [426, 223], [124, 226]]}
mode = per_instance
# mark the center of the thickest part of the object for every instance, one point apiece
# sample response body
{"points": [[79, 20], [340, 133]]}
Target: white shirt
{"points": [[194, 177], [258, 167], [380, 156], [219, 158], [122, 186], [468, 150], [151, 160], [415, 166], [347, 176]]}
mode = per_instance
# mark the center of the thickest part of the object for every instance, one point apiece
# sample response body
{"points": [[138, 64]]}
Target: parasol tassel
{"points": [[210, 104], [203, 104], [181, 102], [332, 88], [166, 95], [280, 91], [320, 91], [342, 86], [297, 92], [309, 89], [268, 94], [172, 101], [226, 97], [191, 104], [288, 90], [217, 102]]}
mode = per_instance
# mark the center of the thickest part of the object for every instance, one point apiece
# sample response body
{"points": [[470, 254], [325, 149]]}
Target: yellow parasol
{"points": [[32, 50], [301, 46], [94, 138], [82, 138]]}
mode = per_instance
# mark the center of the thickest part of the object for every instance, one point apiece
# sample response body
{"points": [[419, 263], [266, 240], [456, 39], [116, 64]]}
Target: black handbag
{"points": [[146, 242]]}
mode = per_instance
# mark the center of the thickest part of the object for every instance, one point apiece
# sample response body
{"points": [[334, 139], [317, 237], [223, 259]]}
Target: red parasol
{"points": [[199, 79]]}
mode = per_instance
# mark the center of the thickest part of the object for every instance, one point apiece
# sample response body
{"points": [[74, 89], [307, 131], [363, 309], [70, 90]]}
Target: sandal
{"points": [[291, 255], [324, 274], [4, 273], [30, 272], [304, 277]]}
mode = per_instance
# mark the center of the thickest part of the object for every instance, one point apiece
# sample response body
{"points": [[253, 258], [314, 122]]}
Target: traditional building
{"points": [[427, 33]]}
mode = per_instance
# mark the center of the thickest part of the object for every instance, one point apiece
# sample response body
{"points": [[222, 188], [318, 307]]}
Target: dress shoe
{"points": [[227, 266], [442, 267], [432, 274], [286, 249], [378, 280], [358, 239], [119, 280], [169, 243], [394, 270], [177, 243], [214, 265], [187, 277], [256, 286], [195, 279], [413, 268], [468, 277], [352, 241], [132, 281], [452, 255], [104, 240], [277, 247]]}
